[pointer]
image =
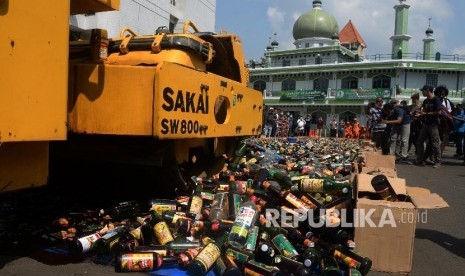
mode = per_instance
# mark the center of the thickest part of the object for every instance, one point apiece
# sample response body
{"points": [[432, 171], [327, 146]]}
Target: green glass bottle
{"points": [[285, 247], [291, 267], [207, 257], [324, 185], [311, 257], [352, 259], [240, 256], [265, 253], [330, 267], [281, 177], [253, 267]]}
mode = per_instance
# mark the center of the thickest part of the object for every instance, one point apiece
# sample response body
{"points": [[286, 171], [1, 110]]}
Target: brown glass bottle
{"points": [[195, 204], [160, 228], [138, 262], [383, 188]]}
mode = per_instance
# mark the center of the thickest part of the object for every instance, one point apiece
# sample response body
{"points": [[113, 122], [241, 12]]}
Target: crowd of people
{"points": [[428, 126], [394, 127], [281, 124]]}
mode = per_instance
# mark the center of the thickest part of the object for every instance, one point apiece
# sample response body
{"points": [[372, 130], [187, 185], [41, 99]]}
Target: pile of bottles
{"points": [[274, 209]]}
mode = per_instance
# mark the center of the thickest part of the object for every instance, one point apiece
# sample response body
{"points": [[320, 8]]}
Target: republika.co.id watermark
{"points": [[343, 218]]}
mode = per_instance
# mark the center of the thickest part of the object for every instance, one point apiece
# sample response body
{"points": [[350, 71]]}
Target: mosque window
{"points": [[307, 45], [381, 81], [302, 61], [286, 63], [432, 79], [259, 85], [349, 82], [288, 84], [321, 84]]}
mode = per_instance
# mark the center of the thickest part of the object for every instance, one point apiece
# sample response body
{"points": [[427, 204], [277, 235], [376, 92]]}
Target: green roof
{"points": [[315, 23]]}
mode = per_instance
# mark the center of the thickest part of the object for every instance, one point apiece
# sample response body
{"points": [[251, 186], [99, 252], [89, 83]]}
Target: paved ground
{"points": [[439, 244]]}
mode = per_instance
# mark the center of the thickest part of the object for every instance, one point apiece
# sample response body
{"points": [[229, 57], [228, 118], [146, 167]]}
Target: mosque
{"points": [[328, 74]]}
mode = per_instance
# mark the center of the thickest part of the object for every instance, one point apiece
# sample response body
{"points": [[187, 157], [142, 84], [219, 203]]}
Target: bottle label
{"points": [[243, 221], [255, 268], [109, 234], [208, 256], [137, 233], [308, 202], [207, 196], [160, 208], [177, 216], [238, 256], [162, 232], [222, 188], [88, 241], [113, 242], [284, 246], [350, 262], [251, 242], [196, 205], [241, 187], [297, 203], [138, 262], [312, 185]]}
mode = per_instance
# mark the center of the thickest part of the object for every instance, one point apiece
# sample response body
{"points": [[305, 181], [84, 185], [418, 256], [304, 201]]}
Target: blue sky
{"points": [[255, 21]]}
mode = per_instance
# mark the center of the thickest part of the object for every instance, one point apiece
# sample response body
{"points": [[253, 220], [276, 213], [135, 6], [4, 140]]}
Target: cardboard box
{"points": [[390, 246], [376, 163]]}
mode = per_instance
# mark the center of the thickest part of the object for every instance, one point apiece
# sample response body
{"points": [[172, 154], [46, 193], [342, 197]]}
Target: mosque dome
{"points": [[274, 43], [429, 31], [315, 23]]}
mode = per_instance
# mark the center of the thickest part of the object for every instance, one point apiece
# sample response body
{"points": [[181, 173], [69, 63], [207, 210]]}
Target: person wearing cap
{"points": [[429, 115], [399, 120]]}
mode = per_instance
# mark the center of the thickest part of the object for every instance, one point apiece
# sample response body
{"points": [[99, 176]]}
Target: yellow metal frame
{"points": [[136, 100]]}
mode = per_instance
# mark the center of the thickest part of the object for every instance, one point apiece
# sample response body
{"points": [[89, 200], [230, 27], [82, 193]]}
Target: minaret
{"points": [[400, 38], [428, 44]]}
